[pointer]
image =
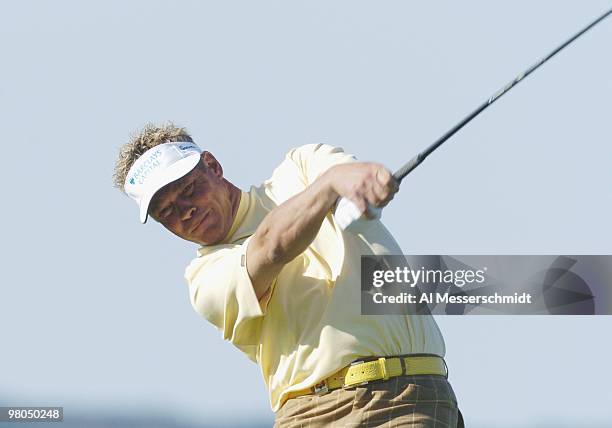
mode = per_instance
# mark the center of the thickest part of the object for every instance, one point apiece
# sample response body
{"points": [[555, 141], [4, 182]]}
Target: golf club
{"points": [[348, 215]]}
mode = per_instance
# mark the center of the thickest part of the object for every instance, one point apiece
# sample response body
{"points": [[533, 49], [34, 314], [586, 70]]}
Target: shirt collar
{"points": [[235, 230], [243, 207]]}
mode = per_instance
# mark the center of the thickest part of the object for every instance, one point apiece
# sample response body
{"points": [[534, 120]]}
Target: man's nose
{"points": [[187, 212]]}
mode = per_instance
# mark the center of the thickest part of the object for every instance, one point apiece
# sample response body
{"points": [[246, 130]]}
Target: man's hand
{"points": [[363, 184]]}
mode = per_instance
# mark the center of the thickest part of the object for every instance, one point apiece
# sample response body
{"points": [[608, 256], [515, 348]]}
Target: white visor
{"points": [[157, 167]]}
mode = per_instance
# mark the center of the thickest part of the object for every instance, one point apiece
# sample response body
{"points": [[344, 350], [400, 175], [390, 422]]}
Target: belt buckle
{"points": [[321, 388]]}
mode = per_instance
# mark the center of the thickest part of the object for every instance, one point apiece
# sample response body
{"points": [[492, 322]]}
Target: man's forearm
{"points": [[292, 226], [289, 228], [287, 231]]}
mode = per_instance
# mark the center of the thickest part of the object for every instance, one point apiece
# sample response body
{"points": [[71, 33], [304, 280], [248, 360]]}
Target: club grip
{"points": [[349, 216]]}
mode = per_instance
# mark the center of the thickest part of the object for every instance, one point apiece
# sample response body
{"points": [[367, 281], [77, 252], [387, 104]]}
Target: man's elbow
{"points": [[264, 262], [272, 251], [270, 248]]}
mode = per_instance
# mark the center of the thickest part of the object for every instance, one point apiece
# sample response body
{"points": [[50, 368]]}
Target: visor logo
{"points": [[146, 167]]}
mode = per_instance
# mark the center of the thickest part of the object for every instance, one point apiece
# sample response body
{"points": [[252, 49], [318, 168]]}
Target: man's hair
{"points": [[150, 136]]}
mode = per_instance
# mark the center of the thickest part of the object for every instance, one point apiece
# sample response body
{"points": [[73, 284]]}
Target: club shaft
{"points": [[418, 159]]}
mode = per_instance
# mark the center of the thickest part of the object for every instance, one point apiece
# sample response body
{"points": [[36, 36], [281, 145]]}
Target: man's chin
{"points": [[200, 241], [207, 240]]}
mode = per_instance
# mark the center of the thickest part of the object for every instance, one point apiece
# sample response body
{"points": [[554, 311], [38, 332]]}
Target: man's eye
{"points": [[165, 212], [187, 191]]}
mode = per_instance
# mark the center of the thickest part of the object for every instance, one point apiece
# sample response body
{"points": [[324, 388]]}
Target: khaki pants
{"points": [[425, 401]]}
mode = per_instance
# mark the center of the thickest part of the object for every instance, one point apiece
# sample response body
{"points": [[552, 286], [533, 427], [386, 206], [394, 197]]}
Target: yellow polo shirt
{"points": [[309, 325]]}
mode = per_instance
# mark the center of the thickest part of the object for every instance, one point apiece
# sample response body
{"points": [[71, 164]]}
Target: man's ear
{"points": [[212, 164]]}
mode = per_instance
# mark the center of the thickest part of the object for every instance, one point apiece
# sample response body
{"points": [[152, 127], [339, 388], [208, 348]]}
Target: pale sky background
{"points": [[94, 311]]}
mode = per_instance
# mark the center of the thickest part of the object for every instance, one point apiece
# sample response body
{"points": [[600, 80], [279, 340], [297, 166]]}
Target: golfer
{"points": [[280, 280]]}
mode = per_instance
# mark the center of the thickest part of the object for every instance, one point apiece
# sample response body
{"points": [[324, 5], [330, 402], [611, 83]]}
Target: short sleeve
{"points": [[314, 159], [221, 291]]}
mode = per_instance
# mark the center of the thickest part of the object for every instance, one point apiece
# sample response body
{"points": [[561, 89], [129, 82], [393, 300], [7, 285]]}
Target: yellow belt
{"points": [[360, 372]]}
